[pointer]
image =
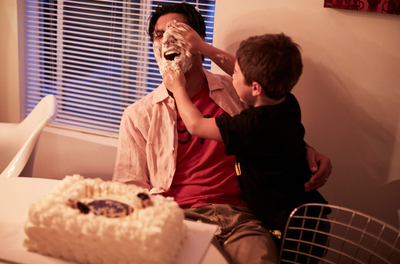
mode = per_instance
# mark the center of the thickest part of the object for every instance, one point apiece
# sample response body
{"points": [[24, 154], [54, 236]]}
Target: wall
{"points": [[61, 152], [9, 82], [349, 91]]}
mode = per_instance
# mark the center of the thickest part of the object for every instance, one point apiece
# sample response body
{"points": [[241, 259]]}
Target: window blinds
{"points": [[94, 56]]}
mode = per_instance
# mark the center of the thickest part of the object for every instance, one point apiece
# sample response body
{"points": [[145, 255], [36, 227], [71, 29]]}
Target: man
{"points": [[156, 152]]}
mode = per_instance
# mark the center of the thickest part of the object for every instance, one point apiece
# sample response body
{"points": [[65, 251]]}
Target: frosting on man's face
{"points": [[169, 51]]}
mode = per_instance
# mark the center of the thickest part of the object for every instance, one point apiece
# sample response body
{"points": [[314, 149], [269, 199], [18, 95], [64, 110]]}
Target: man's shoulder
{"points": [[223, 93], [145, 103], [218, 80], [145, 100]]}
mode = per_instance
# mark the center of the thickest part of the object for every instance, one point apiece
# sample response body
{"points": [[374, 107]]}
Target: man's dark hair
{"points": [[194, 18], [272, 60]]}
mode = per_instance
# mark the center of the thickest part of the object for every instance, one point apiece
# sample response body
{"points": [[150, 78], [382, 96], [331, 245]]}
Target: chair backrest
{"points": [[18, 140], [344, 236]]}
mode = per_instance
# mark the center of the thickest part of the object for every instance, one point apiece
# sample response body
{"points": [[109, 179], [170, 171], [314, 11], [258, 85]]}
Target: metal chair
{"points": [[18, 140], [345, 236]]}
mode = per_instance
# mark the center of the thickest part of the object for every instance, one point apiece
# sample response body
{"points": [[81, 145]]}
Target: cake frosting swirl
{"points": [[94, 221]]}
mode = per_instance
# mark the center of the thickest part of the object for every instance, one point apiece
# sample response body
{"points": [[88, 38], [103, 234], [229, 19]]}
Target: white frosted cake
{"points": [[93, 221]]}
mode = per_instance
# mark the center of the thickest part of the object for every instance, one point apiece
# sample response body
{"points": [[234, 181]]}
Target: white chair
{"points": [[345, 236], [17, 140]]}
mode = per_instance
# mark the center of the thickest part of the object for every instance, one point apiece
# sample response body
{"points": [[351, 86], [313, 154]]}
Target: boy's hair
{"points": [[272, 60], [194, 18]]}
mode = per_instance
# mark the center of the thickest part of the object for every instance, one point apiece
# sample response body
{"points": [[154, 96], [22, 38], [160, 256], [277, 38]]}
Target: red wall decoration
{"points": [[378, 6]]}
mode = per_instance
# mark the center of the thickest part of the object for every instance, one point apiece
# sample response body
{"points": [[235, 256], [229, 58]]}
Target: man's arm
{"points": [[195, 44], [195, 123], [321, 168], [131, 163]]}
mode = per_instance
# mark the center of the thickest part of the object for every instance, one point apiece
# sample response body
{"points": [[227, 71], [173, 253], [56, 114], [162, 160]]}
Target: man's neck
{"points": [[195, 80]]}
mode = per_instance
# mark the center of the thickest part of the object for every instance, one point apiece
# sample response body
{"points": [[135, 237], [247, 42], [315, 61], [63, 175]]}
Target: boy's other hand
{"points": [[174, 80]]}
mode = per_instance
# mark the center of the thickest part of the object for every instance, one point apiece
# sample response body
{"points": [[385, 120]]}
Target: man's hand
{"points": [[321, 168]]}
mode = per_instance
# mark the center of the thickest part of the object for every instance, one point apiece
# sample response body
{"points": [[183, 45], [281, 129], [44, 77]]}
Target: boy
{"points": [[267, 138]]}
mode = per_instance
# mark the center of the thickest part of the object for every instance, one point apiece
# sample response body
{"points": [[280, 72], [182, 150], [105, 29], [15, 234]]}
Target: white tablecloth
{"points": [[16, 194]]}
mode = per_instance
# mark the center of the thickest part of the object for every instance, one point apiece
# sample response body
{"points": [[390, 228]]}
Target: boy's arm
{"points": [[223, 59], [193, 43], [195, 123]]}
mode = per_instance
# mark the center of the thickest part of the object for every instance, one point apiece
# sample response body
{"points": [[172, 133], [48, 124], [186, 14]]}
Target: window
{"points": [[94, 56]]}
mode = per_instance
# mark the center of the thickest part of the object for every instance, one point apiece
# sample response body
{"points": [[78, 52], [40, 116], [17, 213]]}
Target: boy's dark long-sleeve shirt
{"points": [[270, 150]]}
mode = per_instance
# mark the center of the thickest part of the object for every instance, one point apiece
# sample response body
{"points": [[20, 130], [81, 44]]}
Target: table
{"points": [[16, 194]]}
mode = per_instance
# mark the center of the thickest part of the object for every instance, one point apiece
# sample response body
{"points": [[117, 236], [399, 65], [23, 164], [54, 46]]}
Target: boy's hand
{"points": [[194, 45], [191, 41], [174, 80]]}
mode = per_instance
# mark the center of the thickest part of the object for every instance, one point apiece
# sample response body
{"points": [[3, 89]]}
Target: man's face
{"points": [[168, 49]]}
